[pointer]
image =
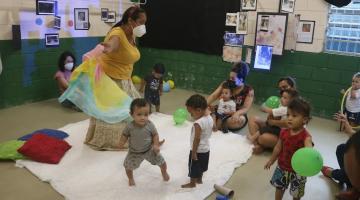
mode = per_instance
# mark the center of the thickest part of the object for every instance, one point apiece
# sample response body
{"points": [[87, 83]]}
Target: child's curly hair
{"points": [[301, 106], [197, 101]]}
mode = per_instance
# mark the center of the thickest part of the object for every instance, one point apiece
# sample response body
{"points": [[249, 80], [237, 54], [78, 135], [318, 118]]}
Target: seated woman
{"points": [[265, 133], [242, 94], [66, 65]]}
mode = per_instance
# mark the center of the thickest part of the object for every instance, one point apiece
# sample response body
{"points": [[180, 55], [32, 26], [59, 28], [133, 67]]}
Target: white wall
{"points": [[23, 12], [315, 10]]}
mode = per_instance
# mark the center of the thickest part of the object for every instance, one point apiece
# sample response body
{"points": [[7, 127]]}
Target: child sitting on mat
{"points": [[143, 141], [225, 109], [199, 140]]}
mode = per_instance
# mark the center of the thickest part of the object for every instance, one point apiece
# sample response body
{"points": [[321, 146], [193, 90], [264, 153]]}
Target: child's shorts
{"points": [[281, 180], [223, 117], [152, 97], [199, 166], [133, 160], [353, 117]]}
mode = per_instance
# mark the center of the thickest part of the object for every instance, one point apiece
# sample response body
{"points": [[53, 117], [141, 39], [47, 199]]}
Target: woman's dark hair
{"points": [[197, 101], [354, 141], [290, 80], [62, 58], [301, 106], [292, 92], [139, 103], [241, 69], [159, 68], [133, 12]]}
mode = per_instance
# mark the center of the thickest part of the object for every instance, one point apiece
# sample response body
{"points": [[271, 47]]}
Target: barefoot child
{"points": [[225, 109], [143, 141], [291, 139], [199, 140]]}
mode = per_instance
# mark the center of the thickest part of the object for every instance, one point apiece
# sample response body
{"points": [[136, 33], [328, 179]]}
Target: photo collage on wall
{"points": [[49, 7]]}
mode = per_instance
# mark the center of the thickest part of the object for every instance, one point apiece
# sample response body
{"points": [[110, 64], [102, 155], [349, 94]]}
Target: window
{"points": [[343, 31]]}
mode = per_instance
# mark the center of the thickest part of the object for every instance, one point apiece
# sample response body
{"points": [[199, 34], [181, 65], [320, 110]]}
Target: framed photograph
{"points": [[232, 54], [248, 5], [52, 40], [263, 57], [81, 18], [271, 31], [45, 7], [104, 14], [111, 17], [233, 39], [305, 32], [287, 6], [231, 19], [57, 22], [242, 23]]}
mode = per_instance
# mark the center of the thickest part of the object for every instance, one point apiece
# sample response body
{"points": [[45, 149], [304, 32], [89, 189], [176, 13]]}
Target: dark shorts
{"points": [[353, 117], [270, 129], [198, 167], [152, 97], [238, 129], [223, 117]]}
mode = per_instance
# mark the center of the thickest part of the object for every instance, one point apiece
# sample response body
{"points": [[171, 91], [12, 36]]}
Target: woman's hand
{"points": [[340, 117]]}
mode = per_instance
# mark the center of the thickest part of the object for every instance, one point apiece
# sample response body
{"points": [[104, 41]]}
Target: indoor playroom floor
{"points": [[250, 181]]}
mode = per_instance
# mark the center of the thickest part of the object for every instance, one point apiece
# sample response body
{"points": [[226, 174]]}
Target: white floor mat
{"points": [[85, 174]]}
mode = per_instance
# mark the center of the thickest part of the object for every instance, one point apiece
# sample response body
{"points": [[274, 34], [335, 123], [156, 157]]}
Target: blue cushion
{"points": [[50, 132]]}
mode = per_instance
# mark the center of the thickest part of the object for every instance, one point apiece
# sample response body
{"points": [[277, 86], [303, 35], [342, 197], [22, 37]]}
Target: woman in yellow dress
{"points": [[119, 55]]}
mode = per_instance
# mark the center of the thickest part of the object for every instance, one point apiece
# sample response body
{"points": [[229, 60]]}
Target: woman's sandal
{"points": [[326, 171]]}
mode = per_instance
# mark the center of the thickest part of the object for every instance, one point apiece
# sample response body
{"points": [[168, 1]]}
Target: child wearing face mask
{"points": [[225, 109], [62, 76], [153, 85]]}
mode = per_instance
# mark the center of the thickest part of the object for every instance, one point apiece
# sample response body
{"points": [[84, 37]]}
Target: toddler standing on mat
{"points": [[199, 140], [143, 141]]}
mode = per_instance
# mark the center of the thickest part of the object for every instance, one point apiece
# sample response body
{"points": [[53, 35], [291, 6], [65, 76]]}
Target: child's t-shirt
{"points": [[281, 111], [226, 106], [152, 84], [62, 75], [353, 105], [140, 137], [206, 123], [291, 143]]}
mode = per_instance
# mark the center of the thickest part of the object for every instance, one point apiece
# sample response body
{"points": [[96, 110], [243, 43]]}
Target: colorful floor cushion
{"points": [[43, 148], [8, 150], [50, 132]]}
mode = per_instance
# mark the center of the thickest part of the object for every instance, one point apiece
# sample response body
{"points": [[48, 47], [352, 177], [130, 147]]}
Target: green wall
{"points": [[28, 73], [319, 76]]}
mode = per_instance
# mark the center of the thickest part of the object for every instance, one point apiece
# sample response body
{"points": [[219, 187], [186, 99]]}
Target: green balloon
{"points": [[273, 102], [180, 116], [307, 161]]}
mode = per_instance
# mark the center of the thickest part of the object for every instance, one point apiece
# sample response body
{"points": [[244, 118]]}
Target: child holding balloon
{"points": [[199, 140], [291, 139], [153, 85]]}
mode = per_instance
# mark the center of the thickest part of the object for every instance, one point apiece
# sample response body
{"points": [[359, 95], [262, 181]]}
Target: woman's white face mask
{"points": [[139, 31], [69, 66]]}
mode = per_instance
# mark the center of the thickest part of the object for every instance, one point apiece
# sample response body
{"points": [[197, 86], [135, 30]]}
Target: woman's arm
{"points": [[62, 82], [282, 123], [111, 45], [264, 108], [247, 104], [215, 95], [340, 117]]}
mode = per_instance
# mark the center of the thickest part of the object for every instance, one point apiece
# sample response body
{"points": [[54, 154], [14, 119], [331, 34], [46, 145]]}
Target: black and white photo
{"points": [[81, 18], [264, 23], [231, 19], [111, 17], [57, 22], [287, 6], [44, 7], [104, 14], [242, 23], [52, 40], [248, 5]]}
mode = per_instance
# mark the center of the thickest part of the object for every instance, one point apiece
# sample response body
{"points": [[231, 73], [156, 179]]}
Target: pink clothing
{"points": [[62, 75]]}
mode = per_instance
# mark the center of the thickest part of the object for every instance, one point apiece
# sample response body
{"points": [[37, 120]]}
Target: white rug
{"points": [[85, 174]]}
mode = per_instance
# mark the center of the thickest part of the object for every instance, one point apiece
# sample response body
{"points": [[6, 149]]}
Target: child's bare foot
{"points": [[258, 149], [215, 128], [188, 185], [250, 137], [131, 182], [165, 176], [161, 142]]}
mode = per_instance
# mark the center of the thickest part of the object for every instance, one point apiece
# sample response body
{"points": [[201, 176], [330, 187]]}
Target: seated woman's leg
{"points": [[236, 124], [267, 140], [254, 125]]}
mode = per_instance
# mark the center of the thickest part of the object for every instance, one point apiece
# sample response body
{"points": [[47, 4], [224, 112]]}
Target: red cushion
{"points": [[43, 148]]}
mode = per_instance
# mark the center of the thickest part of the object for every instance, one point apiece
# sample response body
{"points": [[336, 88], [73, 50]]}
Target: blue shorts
{"points": [[281, 179]]}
